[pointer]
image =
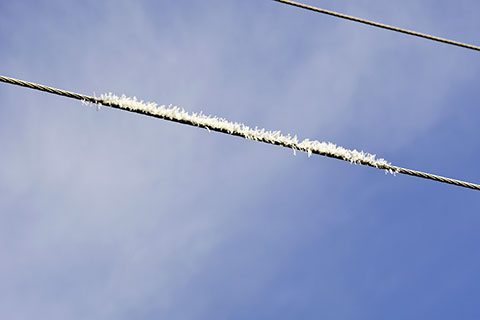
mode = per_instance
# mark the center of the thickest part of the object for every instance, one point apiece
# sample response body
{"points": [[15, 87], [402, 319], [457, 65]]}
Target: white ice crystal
{"points": [[219, 124]]}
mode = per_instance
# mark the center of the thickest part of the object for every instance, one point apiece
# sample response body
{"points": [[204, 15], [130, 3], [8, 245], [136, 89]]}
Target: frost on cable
{"points": [[219, 124]]}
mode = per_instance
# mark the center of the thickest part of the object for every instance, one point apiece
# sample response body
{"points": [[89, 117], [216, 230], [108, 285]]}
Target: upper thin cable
{"points": [[236, 129], [380, 25]]}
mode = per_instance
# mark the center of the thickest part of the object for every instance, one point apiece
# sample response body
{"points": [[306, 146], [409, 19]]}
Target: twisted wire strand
{"points": [[48, 89], [379, 25], [385, 166]]}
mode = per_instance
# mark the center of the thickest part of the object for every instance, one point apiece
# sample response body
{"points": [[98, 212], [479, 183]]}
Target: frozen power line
{"points": [[379, 25], [175, 114]]}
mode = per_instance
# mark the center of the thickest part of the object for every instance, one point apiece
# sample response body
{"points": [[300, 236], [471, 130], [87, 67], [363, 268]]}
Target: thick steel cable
{"points": [[95, 100], [379, 25]]}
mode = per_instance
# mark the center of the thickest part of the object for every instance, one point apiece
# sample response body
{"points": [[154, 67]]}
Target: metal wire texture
{"points": [[85, 98], [379, 25]]}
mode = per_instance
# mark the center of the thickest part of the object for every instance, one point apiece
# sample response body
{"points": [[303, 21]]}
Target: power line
{"points": [[221, 125], [48, 89], [379, 25]]}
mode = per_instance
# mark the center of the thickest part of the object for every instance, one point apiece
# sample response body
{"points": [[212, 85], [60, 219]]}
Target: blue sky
{"points": [[107, 214]]}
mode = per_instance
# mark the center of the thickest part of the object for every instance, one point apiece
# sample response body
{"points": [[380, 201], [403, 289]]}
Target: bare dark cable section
{"points": [[379, 25], [90, 99]]}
